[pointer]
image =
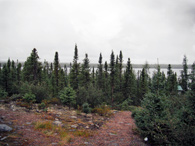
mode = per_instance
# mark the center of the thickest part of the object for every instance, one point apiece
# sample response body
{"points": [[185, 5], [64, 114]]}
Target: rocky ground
{"points": [[60, 126]]}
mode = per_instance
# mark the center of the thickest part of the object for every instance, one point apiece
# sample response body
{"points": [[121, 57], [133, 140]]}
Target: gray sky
{"points": [[142, 29]]}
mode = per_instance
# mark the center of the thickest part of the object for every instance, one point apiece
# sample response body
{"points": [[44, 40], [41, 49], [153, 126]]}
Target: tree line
{"points": [[109, 83]]}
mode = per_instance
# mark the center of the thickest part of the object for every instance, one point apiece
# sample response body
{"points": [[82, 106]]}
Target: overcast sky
{"points": [[143, 29]]}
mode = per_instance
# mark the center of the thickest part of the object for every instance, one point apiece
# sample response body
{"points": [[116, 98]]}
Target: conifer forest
{"points": [[163, 106]]}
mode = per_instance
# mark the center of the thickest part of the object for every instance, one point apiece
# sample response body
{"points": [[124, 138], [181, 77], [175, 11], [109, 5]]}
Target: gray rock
{"points": [[128, 124], [5, 128], [89, 116], [58, 123], [3, 138], [73, 117], [112, 134], [72, 130], [28, 123], [74, 126], [13, 108], [86, 143], [97, 125]]}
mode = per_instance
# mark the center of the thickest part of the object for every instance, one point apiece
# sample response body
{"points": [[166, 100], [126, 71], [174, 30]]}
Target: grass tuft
{"points": [[43, 125]]}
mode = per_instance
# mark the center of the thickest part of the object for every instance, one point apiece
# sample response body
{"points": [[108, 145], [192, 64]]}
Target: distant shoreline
{"points": [[95, 65]]}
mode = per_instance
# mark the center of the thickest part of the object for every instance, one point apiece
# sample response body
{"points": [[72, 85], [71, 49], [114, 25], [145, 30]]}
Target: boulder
{"points": [[5, 128]]}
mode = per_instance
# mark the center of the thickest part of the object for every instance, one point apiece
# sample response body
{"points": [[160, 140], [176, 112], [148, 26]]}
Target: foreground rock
{"points": [[5, 128]]}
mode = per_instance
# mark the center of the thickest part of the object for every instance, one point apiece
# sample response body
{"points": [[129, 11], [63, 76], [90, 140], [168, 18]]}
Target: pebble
{"points": [[112, 134], [74, 126], [73, 117], [86, 143], [58, 123], [128, 124], [97, 126]]}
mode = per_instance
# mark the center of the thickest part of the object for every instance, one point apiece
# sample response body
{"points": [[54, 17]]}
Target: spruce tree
{"points": [[5, 78], [143, 83], [85, 72], [171, 83], [112, 74], [32, 68], [56, 73], [184, 74], [192, 77], [18, 73], [158, 82], [13, 78], [118, 90], [138, 89], [129, 88], [121, 69], [61, 79], [66, 76], [106, 89], [74, 73], [100, 73], [93, 77], [45, 73]]}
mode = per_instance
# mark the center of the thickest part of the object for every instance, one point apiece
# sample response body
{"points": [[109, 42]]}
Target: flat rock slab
{"points": [[5, 128]]}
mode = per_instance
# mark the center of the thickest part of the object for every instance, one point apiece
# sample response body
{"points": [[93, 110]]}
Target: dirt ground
{"points": [[74, 128]]}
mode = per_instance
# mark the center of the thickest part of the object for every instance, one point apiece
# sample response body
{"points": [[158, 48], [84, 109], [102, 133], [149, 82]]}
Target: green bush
{"points": [[91, 95], [15, 97], [39, 91], [29, 98], [3, 94], [42, 105], [126, 104], [86, 109], [67, 96], [166, 121]]}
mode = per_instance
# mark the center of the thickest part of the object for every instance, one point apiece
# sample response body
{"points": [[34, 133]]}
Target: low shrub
{"points": [[54, 100], [68, 96], [126, 104], [85, 108], [132, 108], [39, 91], [42, 105], [103, 110], [15, 97], [29, 98], [3, 94]]}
